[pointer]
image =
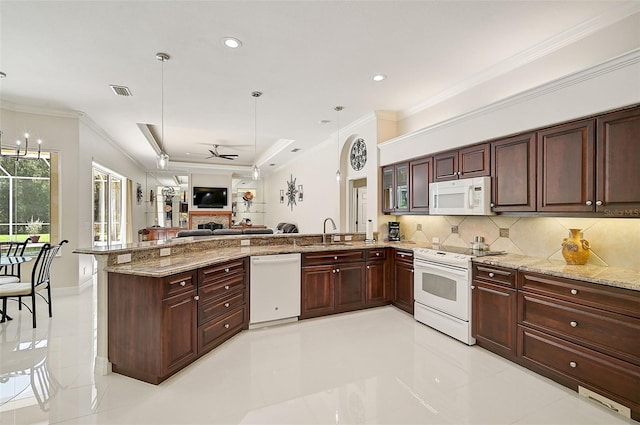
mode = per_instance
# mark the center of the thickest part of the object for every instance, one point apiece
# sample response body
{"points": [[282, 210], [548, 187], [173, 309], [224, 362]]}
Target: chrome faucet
{"points": [[324, 228]]}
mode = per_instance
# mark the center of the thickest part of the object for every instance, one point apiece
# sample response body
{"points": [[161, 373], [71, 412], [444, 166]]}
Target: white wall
{"points": [[210, 180]]}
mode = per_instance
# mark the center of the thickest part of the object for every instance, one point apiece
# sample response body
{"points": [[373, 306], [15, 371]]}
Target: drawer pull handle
{"points": [[377, 254], [183, 283], [226, 326], [491, 274], [574, 292], [335, 258], [226, 286], [333, 271], [473, 287], [368, 267], [589, 203], [598, 203], [197, 297], [402, 255], [573, 324], [337, 270], [573, 364], [226, 270], [226, 305]]}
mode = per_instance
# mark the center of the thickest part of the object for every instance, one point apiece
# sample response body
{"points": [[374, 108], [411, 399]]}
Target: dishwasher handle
{"points": [[275, 259]]}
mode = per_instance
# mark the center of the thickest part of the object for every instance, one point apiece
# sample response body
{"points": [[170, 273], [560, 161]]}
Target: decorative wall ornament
{"points": [[291, 192], [358, 157], [139, 194]]}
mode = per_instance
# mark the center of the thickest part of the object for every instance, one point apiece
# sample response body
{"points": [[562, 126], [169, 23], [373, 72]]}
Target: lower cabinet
{"points": [[403, 280], [493, 309], [332, 282], [157, 326], [378, 290], [574, 332]]}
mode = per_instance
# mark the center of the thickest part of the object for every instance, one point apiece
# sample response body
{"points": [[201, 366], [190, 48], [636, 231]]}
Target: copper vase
{"points": [[575, 250]]}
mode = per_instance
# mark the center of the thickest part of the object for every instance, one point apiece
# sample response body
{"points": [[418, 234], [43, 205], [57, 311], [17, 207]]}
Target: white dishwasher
{"points": [[274, 288]]}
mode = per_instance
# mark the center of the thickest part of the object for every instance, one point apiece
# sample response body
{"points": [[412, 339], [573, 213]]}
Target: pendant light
{"points": [[338, 109], [255, 174], [163, 157]]}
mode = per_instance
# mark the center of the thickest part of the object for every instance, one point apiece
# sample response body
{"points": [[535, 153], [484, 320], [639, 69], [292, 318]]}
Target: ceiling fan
{"points": [[215, 154]]}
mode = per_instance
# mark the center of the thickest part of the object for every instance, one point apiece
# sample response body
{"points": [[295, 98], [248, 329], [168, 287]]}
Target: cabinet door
{"points": [[387, 189], [513, 174], [494, 318], [445, 166], [420, 179], [403, 278], [566, 168], [377, 290], [402, 187], [474, 161], [618, 156], [349, 286], [179, 332], [317, 291]]}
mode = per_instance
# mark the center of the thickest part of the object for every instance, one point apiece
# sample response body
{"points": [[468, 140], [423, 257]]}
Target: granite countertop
{"points": [[603, 275], [165, 266]]}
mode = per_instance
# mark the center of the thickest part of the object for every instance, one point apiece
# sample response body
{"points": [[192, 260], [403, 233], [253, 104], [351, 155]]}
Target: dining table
{"points": [[10, 261]]}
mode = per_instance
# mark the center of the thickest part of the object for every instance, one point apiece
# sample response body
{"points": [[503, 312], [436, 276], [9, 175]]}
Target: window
{"points": [[109, 202], [25, 196]]}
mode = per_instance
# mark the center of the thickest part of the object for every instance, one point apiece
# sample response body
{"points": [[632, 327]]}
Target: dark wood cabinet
{"points": [[378, 291], [579, 333], [420, 177], [403, 280], [494, 302], [157, 326], [152, 324], [332, 282], [467, 162], [395, 188], [513, 172], [566, 168], [617, 159]]}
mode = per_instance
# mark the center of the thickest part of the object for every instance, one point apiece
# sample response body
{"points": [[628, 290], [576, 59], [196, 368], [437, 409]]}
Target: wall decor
{"points": [[291, 192], [282, 196], [139, 194], [300, 193], [358, 156]]}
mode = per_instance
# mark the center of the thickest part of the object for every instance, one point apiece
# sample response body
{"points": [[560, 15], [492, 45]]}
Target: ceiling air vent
{"points": [[120, 90]]}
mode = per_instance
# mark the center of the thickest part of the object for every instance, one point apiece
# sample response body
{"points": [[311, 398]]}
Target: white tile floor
{"points": [[374, 366]]}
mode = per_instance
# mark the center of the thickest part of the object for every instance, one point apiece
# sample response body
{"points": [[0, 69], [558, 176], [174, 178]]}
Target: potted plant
{"points": [[33, 228]]}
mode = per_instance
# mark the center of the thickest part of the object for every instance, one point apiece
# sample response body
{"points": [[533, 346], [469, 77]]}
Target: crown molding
{"points": [[24, 109], [609, 66], [538, 51]]}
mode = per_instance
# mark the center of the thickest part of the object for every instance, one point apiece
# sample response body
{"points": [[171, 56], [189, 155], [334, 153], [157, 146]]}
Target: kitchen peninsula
{"points": [[181, 265]]}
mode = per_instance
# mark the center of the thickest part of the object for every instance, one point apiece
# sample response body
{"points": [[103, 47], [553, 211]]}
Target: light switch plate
{"points": [[245, 242], [165, 251], [347, 237]]}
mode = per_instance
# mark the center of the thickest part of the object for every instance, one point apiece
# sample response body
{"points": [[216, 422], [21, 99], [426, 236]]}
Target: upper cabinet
{"points": [[513, 173], [395, 188], [471, 161], [566, 168], [420, 177], [617, 159]]}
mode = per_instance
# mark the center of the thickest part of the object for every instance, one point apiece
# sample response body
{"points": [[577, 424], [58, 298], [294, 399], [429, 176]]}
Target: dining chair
{"points": [[40, 281], [11, 273]]}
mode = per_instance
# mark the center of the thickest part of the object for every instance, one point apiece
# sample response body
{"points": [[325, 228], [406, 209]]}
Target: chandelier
{"points": [[19, 152]]}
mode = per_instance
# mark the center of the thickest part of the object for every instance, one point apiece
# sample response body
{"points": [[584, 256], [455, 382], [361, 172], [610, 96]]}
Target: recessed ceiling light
{"points": [[324, 122], [231, 42], [187, 153], [379, 77]]}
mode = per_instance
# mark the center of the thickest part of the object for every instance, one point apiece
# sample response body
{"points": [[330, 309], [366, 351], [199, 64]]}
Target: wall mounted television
{"points": [[210, 197]]}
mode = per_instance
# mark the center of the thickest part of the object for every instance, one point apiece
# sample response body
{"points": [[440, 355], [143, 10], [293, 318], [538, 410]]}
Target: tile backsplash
{"points": [[614, 241]]}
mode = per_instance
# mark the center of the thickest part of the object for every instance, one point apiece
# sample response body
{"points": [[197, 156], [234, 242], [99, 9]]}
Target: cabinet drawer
{"points": [[619, 300], [614, 378], [217, 307], [221, 271], [179, 283], [495, 275], [403, 255], [221, 288], [322, 258], [614, 333], [376, 254], [215, 332]]}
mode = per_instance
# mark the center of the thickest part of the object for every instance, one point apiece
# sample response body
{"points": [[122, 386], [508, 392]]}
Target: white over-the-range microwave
{"points": [[461, 197]]}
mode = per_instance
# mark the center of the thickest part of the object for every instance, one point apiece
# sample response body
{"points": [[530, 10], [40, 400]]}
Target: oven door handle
{"points": [[424, 266]]}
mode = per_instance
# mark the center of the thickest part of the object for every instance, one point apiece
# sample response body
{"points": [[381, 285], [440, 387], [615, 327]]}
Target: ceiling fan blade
{"points": [[226, 157], [229, 154]]}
